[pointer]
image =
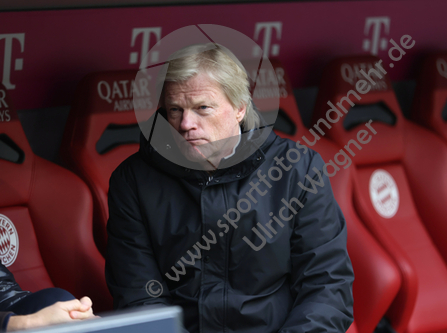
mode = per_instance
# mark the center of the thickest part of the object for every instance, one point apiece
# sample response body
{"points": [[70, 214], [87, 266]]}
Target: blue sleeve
{"points": [[4, 319]]}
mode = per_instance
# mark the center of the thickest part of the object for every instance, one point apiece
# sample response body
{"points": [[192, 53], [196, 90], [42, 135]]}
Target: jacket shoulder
{"points": [[132, 167], [293, 151]]}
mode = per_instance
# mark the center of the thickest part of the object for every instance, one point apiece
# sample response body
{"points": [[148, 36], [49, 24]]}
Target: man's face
{"points": [[200, 112]]}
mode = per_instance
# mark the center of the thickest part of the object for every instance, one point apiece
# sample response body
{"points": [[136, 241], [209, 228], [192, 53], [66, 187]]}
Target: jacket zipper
{"points": [[210, 178]]}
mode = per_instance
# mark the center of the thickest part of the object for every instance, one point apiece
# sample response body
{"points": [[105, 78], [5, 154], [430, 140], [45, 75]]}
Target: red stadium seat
{"points": [[101, 132], [377, 278], [45, 219], [430, 110], [384, 153]]}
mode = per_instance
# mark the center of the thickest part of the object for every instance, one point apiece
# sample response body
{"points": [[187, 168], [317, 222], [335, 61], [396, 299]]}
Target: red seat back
{"points": [[430, 110], [19, 249], [101, 132], [382, 195], [46, 220]]}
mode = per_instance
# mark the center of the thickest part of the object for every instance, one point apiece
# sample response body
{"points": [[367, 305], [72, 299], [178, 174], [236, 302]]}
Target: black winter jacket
{"points": [[275, 261], [10, 291]]}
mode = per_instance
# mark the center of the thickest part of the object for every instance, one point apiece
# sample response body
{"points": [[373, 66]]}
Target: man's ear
{"points": [[241, 113]]}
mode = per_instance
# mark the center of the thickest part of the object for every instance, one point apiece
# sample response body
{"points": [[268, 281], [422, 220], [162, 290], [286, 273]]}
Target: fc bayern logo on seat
{"points": [[384, 193], [9, 241]]}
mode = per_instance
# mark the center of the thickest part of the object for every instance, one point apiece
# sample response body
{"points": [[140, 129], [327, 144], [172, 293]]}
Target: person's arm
{"points": [[322, 274], [58, 313], [130, 260]]}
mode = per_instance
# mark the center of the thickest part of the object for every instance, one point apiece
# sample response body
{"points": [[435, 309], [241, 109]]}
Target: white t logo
{"points": [[18, 65], [268, 27], [373, 43], [146, 32]]}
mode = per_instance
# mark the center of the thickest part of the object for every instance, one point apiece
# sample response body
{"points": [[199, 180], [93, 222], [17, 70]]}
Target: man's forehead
{"points": [[194, 88]]}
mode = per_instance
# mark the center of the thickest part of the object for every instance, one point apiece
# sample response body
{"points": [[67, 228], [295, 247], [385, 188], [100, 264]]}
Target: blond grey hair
{"points": [[221, 65]]}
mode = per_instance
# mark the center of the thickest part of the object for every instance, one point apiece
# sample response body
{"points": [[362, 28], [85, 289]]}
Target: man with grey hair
{"points": [[210, 211]]}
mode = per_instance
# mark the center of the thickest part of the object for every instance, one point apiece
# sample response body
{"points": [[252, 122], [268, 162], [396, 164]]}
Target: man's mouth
{"points": [[196, 141]]}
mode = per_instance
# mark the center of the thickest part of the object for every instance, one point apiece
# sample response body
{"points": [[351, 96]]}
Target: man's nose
{"points": [[189, 120]]}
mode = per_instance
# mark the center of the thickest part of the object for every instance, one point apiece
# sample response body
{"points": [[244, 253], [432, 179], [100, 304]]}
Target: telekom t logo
{"points": [[268, 28], [373, 43], [145, 43], [18, 64]]}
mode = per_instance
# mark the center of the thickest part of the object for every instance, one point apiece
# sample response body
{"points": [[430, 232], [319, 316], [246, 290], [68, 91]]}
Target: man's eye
{"points": [[173, 112], [203, 107]]}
